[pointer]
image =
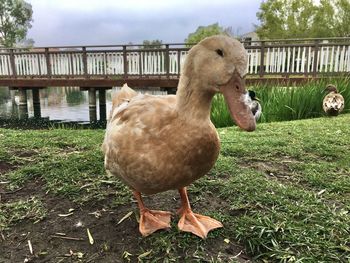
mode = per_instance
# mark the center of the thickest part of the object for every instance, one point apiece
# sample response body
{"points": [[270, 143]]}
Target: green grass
{"points": [[282, 191], [73, 156], [14, 212], [286, 103], [292, 180]]}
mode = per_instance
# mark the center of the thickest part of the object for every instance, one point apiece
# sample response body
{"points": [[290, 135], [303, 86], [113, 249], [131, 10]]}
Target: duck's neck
{"points": [[193, 103]]}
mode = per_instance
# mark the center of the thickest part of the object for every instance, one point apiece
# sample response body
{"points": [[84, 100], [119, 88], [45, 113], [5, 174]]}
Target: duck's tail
{"points": [[124, 95], [120, 100]]}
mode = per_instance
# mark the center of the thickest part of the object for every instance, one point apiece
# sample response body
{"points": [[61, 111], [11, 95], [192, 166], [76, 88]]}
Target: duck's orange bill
{"points": [[236, 98]]}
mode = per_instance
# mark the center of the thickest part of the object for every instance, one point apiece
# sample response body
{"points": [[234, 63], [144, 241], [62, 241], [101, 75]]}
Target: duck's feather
{"points": [[152, 149], [157, 143], [256, 109], [333, 103]]}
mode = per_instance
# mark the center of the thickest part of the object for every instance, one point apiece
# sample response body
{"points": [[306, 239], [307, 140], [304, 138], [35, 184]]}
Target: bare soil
{"points": [[280, 170], [5, 167], [62, 235]]}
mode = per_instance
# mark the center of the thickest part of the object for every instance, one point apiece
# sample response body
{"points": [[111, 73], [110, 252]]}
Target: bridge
{"points": [[113, 65], [101, 67]]}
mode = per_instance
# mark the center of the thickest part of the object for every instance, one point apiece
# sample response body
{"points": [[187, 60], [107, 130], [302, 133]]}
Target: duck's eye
{"points": [[220, 52]]}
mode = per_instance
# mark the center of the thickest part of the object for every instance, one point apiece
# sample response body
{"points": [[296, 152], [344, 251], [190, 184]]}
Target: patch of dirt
{"points": [[24, 153], [62, 235], [5, 167], [280, 170], [34, 187]]}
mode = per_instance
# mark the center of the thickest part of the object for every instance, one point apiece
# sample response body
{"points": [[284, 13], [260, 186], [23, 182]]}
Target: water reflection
{"points": [[57, 103]]}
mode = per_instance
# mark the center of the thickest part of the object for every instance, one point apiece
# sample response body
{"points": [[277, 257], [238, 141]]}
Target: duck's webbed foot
{"points": [[151, 220], [190, 222], [197, 224]]}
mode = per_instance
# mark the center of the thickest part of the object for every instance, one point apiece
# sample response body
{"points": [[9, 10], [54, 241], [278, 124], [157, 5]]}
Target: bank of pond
{"points": [[69, 106]]}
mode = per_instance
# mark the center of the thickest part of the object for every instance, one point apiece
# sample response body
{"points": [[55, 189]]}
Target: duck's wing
{"points": [[149, 108], [140, 116]]}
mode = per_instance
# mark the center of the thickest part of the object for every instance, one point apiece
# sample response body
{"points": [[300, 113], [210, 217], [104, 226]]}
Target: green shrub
{"points": [[285, 103]]}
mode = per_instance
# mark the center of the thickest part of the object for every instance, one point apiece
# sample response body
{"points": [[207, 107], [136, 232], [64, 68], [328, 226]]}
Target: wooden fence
{"points": [[278, 58]]}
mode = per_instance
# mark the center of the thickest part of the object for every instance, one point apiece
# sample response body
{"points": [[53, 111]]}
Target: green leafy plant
{"points": [[285, 103]]}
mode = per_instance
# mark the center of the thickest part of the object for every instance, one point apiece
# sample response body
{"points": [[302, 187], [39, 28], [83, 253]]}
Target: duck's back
{"points": [[152, 149]]}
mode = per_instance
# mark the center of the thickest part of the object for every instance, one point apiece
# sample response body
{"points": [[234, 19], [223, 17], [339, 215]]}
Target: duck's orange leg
{"points": [[151, 220], [190, 222]]}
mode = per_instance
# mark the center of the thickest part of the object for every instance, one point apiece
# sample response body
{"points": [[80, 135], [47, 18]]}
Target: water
{"points": [[67, 104]]}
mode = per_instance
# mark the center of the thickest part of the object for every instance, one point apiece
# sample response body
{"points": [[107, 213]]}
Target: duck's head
{"points": [[331, 88], [219, 64], [252, 95]]}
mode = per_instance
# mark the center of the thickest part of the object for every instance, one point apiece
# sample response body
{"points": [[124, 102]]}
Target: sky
{"points": [[109, 22]]}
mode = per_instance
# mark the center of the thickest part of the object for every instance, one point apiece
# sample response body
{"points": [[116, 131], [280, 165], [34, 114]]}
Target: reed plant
{"points": [[286, 103]]}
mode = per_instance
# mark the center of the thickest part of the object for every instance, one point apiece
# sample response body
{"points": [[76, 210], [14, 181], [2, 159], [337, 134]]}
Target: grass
{"points": [[31, 208], [282, 191], [286, 103]]}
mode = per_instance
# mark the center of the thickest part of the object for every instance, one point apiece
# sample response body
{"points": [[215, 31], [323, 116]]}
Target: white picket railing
{"points": [[288, 59], [5, 68], [297, 60]]}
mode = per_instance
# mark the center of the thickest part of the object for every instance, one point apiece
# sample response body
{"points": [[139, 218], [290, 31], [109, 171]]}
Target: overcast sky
{"points": [[107, 22]]}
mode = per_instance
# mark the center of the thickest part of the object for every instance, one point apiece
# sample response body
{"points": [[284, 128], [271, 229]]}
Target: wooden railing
{"points": [[278, 58], [92, 61], [299, 57]]}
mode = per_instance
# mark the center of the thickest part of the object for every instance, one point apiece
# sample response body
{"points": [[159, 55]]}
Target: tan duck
{"points": [[333, 102], [158, 143]]}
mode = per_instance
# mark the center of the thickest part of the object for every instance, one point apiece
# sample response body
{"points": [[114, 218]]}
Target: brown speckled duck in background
{"points": [[158, 143], [333, 102]]}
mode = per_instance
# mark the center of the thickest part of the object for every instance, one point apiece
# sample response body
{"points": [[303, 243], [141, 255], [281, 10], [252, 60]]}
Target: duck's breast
{"points": [[156, 151], [333, 103]]}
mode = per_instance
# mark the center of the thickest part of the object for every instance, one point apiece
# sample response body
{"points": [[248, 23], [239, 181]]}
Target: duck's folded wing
{"points": [[142, 115]]}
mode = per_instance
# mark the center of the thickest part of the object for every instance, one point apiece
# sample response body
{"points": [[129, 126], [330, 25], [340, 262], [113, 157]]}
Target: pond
{"points": [[65, 104]]}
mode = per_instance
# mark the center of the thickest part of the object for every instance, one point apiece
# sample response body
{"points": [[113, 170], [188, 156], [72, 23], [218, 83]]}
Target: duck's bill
{"points": [[237, 99]]}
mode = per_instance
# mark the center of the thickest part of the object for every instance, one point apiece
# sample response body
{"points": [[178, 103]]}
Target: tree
{"points": [[303, 18], [152, 43], [25, 43], [343, 18], [15, 20], [323, 20], [203, 32]]}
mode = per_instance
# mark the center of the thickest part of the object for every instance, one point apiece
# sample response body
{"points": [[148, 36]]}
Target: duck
{"points": [[333, 102], [255, 105], [156, 143]]}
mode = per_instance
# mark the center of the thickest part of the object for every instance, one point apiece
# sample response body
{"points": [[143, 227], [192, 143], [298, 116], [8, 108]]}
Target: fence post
{"points": [[140, 62], [167, 61], [13, 65], [314, 70], [48, 62], [38, 61], [262, 58], [85, 70], [125, 60]]}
